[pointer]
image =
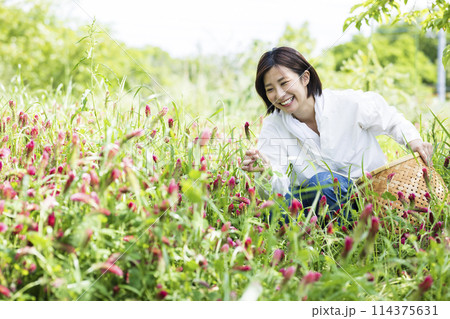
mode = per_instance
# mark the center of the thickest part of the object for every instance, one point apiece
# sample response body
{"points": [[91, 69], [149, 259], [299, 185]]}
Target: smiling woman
{"points": [[319, 141]]}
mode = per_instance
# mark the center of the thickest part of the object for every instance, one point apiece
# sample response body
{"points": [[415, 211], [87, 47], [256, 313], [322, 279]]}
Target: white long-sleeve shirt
{"points": [[348, 122]]}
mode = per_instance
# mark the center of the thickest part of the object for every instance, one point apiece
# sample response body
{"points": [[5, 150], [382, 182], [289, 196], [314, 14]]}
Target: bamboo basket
{"points": [[405, 175]]}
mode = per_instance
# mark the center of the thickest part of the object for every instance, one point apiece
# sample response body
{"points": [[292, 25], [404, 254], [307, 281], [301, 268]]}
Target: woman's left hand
{"points": [[425, 150]]}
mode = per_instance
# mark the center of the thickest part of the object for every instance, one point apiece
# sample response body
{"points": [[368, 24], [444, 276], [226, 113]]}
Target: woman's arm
{"points": [[377, 116]]}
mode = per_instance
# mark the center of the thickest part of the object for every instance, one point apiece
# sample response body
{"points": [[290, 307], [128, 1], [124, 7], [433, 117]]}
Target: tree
{"points": [[435, 17]]}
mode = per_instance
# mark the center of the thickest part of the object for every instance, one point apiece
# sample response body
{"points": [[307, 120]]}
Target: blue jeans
{"points": [[321, 183]]}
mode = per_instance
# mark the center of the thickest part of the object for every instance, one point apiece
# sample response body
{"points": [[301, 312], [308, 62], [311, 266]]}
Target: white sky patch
{"points": [[205, 26]]}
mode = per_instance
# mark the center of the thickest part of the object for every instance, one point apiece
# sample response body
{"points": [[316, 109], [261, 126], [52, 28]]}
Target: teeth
{"points": [[287, 101]]}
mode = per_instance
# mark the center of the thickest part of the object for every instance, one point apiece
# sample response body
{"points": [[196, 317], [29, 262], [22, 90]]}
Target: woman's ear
{"points": [[305, 78]]}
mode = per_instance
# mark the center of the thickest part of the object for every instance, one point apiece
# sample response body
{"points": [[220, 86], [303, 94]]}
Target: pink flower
{"points": [[266, 204], [81, 197], [330, 229], [296, 205], [247, 130], [366, 213], [161, 295], [137, 133], [243, 268], [278, 255], [173, 187], [225, 248], [29, 147], [226, 227], [401, 198], [31, 170], [390, 177], [313, 219], [348, 244], [12, 104], [374, 227], [368, 175], [5, 291], [69, 181], [427, 196], [4, 152], [170, 122], [51, 220], [205, 136], [311, 277], [3, 228], [112, 268], [148, 112], [425, 176], [370, 277], [155, 158], [426, 284], [163, 111], [115, 174], [446, 161], [247, 242], [323, 201], [232, 183], [288, 272]]}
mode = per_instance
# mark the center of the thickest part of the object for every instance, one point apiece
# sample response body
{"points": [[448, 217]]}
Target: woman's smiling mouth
{"points": [[287, 102]]}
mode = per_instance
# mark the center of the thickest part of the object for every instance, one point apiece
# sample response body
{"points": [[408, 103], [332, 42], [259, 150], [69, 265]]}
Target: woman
{"points": [[320, 139]]}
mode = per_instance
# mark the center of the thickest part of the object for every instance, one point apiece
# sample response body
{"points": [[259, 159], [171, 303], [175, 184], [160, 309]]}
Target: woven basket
{"points": [[405, 176]]}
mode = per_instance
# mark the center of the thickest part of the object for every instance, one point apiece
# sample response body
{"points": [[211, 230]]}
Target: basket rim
{"points": [[399, 161]]}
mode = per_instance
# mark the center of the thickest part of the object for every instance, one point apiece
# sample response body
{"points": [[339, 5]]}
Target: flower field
{"points": [[107, 200]]}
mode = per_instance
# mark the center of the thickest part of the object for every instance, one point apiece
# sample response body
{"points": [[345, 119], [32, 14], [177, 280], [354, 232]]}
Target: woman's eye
{"points": [[286, 82], [268, 90]]}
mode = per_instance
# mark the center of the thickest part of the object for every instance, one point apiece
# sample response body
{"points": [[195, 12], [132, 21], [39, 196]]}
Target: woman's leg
{"points": [[324, 184]]}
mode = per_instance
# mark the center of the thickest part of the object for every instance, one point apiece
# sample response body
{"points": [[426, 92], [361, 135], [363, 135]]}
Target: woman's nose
{"points": [[279, 93]]}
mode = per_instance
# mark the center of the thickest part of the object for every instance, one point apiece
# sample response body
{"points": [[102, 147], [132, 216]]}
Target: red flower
{"points": [[205, 136], [296, 205], [243, 268], [51, 220], [3, 228], [5, 291], [232, 183], [288, 272], [173, 187], [374, 227], [330, 229], [348, 244], [161, 295], [426, 284], [247, 130], [148, 112], [366, 213], [311, 277], [170, 122], [278, 255]]}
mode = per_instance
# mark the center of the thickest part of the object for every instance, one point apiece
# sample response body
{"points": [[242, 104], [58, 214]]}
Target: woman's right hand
{"points": [[254, 161]]}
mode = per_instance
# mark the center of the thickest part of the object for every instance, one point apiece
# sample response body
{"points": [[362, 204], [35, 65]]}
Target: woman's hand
{"points": [[425, 150], [254, 161]]}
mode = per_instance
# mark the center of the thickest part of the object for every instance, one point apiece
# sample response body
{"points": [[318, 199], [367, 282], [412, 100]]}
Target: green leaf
{"points": [[388, 196]]}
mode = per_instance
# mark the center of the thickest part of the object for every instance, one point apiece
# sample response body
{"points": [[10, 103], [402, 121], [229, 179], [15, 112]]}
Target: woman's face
{"points": [[287, 91]]}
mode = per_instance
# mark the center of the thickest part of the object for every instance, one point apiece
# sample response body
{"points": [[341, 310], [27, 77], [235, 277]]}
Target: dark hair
{"points": [[289, 58]]}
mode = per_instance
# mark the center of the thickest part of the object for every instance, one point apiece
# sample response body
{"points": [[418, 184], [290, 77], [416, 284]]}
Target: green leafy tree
{"points": [[435, 17]]}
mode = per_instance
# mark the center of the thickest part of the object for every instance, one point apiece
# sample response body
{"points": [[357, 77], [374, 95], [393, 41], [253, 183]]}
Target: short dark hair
{"points": [[289, 58]]}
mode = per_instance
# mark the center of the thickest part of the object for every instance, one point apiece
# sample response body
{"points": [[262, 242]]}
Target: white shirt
{"points": [[348, 122]]}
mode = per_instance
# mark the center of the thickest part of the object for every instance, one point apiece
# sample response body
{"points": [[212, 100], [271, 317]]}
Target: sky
{"points": [[188, 27]]}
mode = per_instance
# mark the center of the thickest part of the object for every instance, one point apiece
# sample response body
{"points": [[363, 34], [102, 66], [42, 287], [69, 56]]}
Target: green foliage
{"points": [[435, 17]]}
